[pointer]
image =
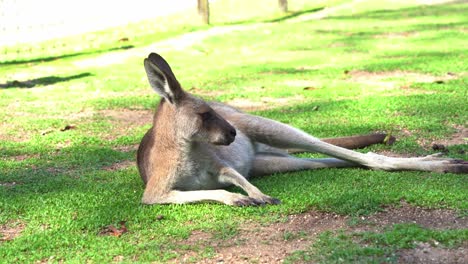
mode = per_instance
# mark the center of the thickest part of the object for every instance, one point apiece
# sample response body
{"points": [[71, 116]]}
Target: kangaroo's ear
{"points": [[162, 79]]}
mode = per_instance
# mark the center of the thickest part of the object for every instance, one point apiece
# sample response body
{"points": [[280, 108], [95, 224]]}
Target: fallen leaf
{"points": [[111, 230], [389, 139], [310, 88], [68, 127], [114, 231], [160, 217], [439, 147], [47, 131], [123, 228]]}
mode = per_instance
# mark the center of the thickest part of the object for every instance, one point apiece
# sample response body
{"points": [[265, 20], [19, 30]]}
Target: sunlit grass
{"points": [[57, 182]]}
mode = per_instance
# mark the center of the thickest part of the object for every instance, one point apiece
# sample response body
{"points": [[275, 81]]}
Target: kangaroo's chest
{"points": [[200, 169], [196, 176]]}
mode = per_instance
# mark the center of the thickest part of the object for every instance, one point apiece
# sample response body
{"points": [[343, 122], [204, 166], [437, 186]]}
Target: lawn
{"points": [[71, 121]]}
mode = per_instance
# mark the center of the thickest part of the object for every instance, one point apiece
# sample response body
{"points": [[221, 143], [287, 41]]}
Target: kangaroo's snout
{"points": [[232, 136], [227, 138], [233, 132]]}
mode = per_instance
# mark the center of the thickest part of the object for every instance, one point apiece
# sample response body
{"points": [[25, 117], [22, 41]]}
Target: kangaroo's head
{"points": [[193, 119]]}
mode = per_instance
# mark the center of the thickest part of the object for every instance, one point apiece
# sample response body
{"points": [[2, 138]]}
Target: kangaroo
{"points": [[197, 148]]}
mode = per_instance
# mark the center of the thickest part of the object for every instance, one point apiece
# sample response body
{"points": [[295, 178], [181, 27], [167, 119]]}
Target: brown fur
{"points": [[157, 168]]}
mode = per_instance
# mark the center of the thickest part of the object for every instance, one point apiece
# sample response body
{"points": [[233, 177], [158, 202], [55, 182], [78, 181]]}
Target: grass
{"points": [[371, 247], [149, 31], [57, 188]]}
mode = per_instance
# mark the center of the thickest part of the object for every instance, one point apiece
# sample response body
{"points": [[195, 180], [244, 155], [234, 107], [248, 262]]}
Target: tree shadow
{"points": [[416, 61], [294, 14], [363, 40], [439, 10], [42, 81], [75, 175], [88, 160], [64, 56], [286, 70], [289, 15]]}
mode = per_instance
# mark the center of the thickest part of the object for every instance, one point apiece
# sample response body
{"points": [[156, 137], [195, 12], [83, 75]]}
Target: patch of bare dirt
{"points": [[198, 237], [20, 134], [24, 157], [119, 165], [8, 184], [127, 148], [205, 93], [264, 103], [392, 35], [256, 243], [11, 230], [406, 213], [389, 80], [458, 138], [124, 120], [131, 118], [394, 83], [267, 244], [425, 253], [433, 2]]}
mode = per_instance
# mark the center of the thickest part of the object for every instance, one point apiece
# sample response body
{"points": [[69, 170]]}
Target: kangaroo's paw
{"points": [[437, 163], [434, 162], [266, 199], [242, 200], [452, 166]]}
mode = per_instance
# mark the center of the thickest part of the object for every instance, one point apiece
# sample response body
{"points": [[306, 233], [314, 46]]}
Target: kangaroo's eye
{"points": [[206, 116]]}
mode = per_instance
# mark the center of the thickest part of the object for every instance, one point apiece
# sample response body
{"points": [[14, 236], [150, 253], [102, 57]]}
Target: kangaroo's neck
{"points": [[164, 126], [166, 153], [171, 152], [165, 130]]}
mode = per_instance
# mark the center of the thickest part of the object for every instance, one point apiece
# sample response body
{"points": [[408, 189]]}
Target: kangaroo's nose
{"points": [[232, 132]]}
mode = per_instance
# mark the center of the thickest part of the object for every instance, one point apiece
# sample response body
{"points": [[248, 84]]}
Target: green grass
{"points": [[55, 183], [372, 247], [149, 31]]}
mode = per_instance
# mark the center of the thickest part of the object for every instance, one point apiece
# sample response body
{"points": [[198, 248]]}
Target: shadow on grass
{"points": [[420, 34], [64, 56], [294, 14], [42, 81], [72, 189], [289, 15], [434, 62], [442, 10], [439, 10], [284, 70]]}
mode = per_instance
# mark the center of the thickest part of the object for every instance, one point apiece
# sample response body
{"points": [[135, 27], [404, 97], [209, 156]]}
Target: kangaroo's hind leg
{"points": [[355, 142], [283, 136], [266, 163]]}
